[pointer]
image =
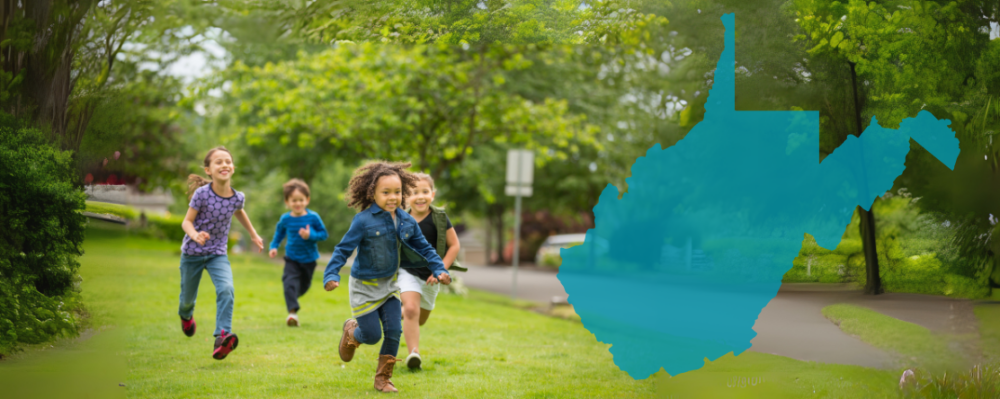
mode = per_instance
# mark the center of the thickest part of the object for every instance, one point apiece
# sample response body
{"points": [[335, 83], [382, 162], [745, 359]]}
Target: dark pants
{"points": [[297, 279], [389, 315]]}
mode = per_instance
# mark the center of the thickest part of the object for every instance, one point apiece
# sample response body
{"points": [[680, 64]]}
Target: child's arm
{"points": [[279, 235], [241, 215], [453, 248], [188, 225], [319, 233], [331, 277], [419, 243]]}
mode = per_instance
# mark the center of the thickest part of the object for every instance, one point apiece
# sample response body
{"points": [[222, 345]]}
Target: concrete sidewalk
{"points": [[792, 324]]}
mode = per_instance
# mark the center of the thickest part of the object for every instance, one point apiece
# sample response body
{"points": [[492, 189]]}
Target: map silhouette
{"points": [[677, 271]]}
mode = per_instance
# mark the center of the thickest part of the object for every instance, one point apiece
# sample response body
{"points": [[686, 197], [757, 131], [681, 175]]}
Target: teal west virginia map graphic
{"points": [[677, 270]]}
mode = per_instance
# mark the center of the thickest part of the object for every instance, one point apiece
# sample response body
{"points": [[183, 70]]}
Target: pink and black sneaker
{"points": [[224, 344], [188, 326]]}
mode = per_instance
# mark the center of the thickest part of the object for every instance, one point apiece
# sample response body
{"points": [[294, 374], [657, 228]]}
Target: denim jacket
{"points": [[375, 236]]}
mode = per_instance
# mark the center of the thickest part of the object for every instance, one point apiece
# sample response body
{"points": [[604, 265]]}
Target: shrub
{"points": [[41, 233], [165, 227], [551, 260], [964, 287], [103, 208]]}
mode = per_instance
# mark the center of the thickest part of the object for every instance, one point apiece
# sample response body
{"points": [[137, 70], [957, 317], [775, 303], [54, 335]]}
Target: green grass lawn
{"points": [[483, 345], [758, 375], [905, 339], [988, 315]]}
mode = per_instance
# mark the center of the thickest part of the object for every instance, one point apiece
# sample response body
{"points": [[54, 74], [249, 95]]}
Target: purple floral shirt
{"points": [[215, 215]]}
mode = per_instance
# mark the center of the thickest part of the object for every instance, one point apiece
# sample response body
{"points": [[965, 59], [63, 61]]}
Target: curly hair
{"points": [[295, 185], [361, 189]]}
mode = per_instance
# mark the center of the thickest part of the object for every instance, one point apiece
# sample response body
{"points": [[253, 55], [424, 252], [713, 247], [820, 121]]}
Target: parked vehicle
{"points": [[548, 253]]}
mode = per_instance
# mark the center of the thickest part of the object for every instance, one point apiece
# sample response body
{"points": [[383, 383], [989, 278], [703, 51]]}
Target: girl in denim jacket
{"points": [[379, 232]]}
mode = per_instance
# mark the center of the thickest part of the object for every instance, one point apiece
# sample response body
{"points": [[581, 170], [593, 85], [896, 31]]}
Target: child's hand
{"points": [[272, 253], [304, 232], [259, 241], [431, 280], [201, 237], [445, 278], [331, 285]]}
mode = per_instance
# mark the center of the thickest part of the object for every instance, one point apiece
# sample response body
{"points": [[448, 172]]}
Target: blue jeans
{"points": [[390, 316], [222, 277]]}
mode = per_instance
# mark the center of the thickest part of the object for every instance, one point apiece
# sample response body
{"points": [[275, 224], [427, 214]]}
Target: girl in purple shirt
{"points": [[210, 213]]}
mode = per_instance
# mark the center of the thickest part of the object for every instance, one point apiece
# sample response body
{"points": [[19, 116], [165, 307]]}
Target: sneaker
{"points": [[188, 326], [413, 360], [224, 344], [293, 320]]}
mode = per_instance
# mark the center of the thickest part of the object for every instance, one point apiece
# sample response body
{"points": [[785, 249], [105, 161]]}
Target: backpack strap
{"points": [[441, 223]]}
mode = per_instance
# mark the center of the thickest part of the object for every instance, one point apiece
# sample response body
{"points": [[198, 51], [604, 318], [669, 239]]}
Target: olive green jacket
{"points": [[414, 260]]}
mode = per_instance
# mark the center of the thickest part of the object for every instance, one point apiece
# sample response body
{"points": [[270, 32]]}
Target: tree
{"points": [[68, 63], [900, 62], [423, 104], [469, 22]]}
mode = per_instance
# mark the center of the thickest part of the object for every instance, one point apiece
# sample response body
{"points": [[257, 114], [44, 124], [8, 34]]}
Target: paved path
{"points": [[792, 324]]}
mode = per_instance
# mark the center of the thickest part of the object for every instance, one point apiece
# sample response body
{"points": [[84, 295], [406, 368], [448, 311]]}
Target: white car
{"points": [[553, 244]]}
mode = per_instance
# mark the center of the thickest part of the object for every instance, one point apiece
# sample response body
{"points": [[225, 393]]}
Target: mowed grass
{"points": [[484, 345], [760, 375], [905, 339], [471, 347], [988, 315]]}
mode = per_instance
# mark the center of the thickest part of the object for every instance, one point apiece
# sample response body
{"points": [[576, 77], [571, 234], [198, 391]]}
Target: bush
{"points": [[551, 260], [165, 227], [964, 287], [41, 233], [104, 208]]}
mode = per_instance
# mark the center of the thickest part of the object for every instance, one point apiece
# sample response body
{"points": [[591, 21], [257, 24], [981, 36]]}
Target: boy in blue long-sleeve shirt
{"points": [[304, 229]]}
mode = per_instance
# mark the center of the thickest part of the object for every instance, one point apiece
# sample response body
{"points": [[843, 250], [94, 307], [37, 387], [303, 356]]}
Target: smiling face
{"points": [[220, 166], [297, 202], [422, 197], [388, 192]]}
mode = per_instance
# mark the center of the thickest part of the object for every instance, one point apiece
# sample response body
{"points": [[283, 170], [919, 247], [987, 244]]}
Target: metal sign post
{"points": [[520, 171]]}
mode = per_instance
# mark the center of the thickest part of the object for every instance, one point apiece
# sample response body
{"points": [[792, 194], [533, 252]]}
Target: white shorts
{"points": [[410, 283]]}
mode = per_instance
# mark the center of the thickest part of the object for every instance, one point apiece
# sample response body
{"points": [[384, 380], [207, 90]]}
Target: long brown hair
{"points": [[361, 189], [196, 181]]}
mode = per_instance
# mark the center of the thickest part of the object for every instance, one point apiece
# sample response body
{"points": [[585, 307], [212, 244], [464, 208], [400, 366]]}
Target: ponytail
{"points": [[194, 182]]}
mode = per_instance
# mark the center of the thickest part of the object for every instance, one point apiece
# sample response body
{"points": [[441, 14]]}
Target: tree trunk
{"points": [[47, 66], [873, 286]]}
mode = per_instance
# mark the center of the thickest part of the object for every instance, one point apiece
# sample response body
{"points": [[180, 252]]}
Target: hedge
{"points": [[41, 236]]}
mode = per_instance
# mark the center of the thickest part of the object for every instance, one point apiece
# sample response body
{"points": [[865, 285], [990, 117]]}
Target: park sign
{"points": [[520, 172]]}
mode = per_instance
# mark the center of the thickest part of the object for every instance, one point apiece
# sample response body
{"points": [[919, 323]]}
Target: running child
{"points": [[213, 203], [304, 229], [417, 286], [379, 231]]}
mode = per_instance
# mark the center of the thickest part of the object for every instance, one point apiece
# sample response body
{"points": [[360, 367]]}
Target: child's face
{"points": [[388, 192], [220, 166], [422, 197], [297, 202]]}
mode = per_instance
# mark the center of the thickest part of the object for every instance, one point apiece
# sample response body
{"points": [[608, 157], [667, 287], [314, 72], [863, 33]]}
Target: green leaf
{"points": [[836, 39]]}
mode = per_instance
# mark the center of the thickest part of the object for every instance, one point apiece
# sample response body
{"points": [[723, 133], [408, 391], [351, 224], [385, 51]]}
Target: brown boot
{"points": [[384, 373], [347, 342]]}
